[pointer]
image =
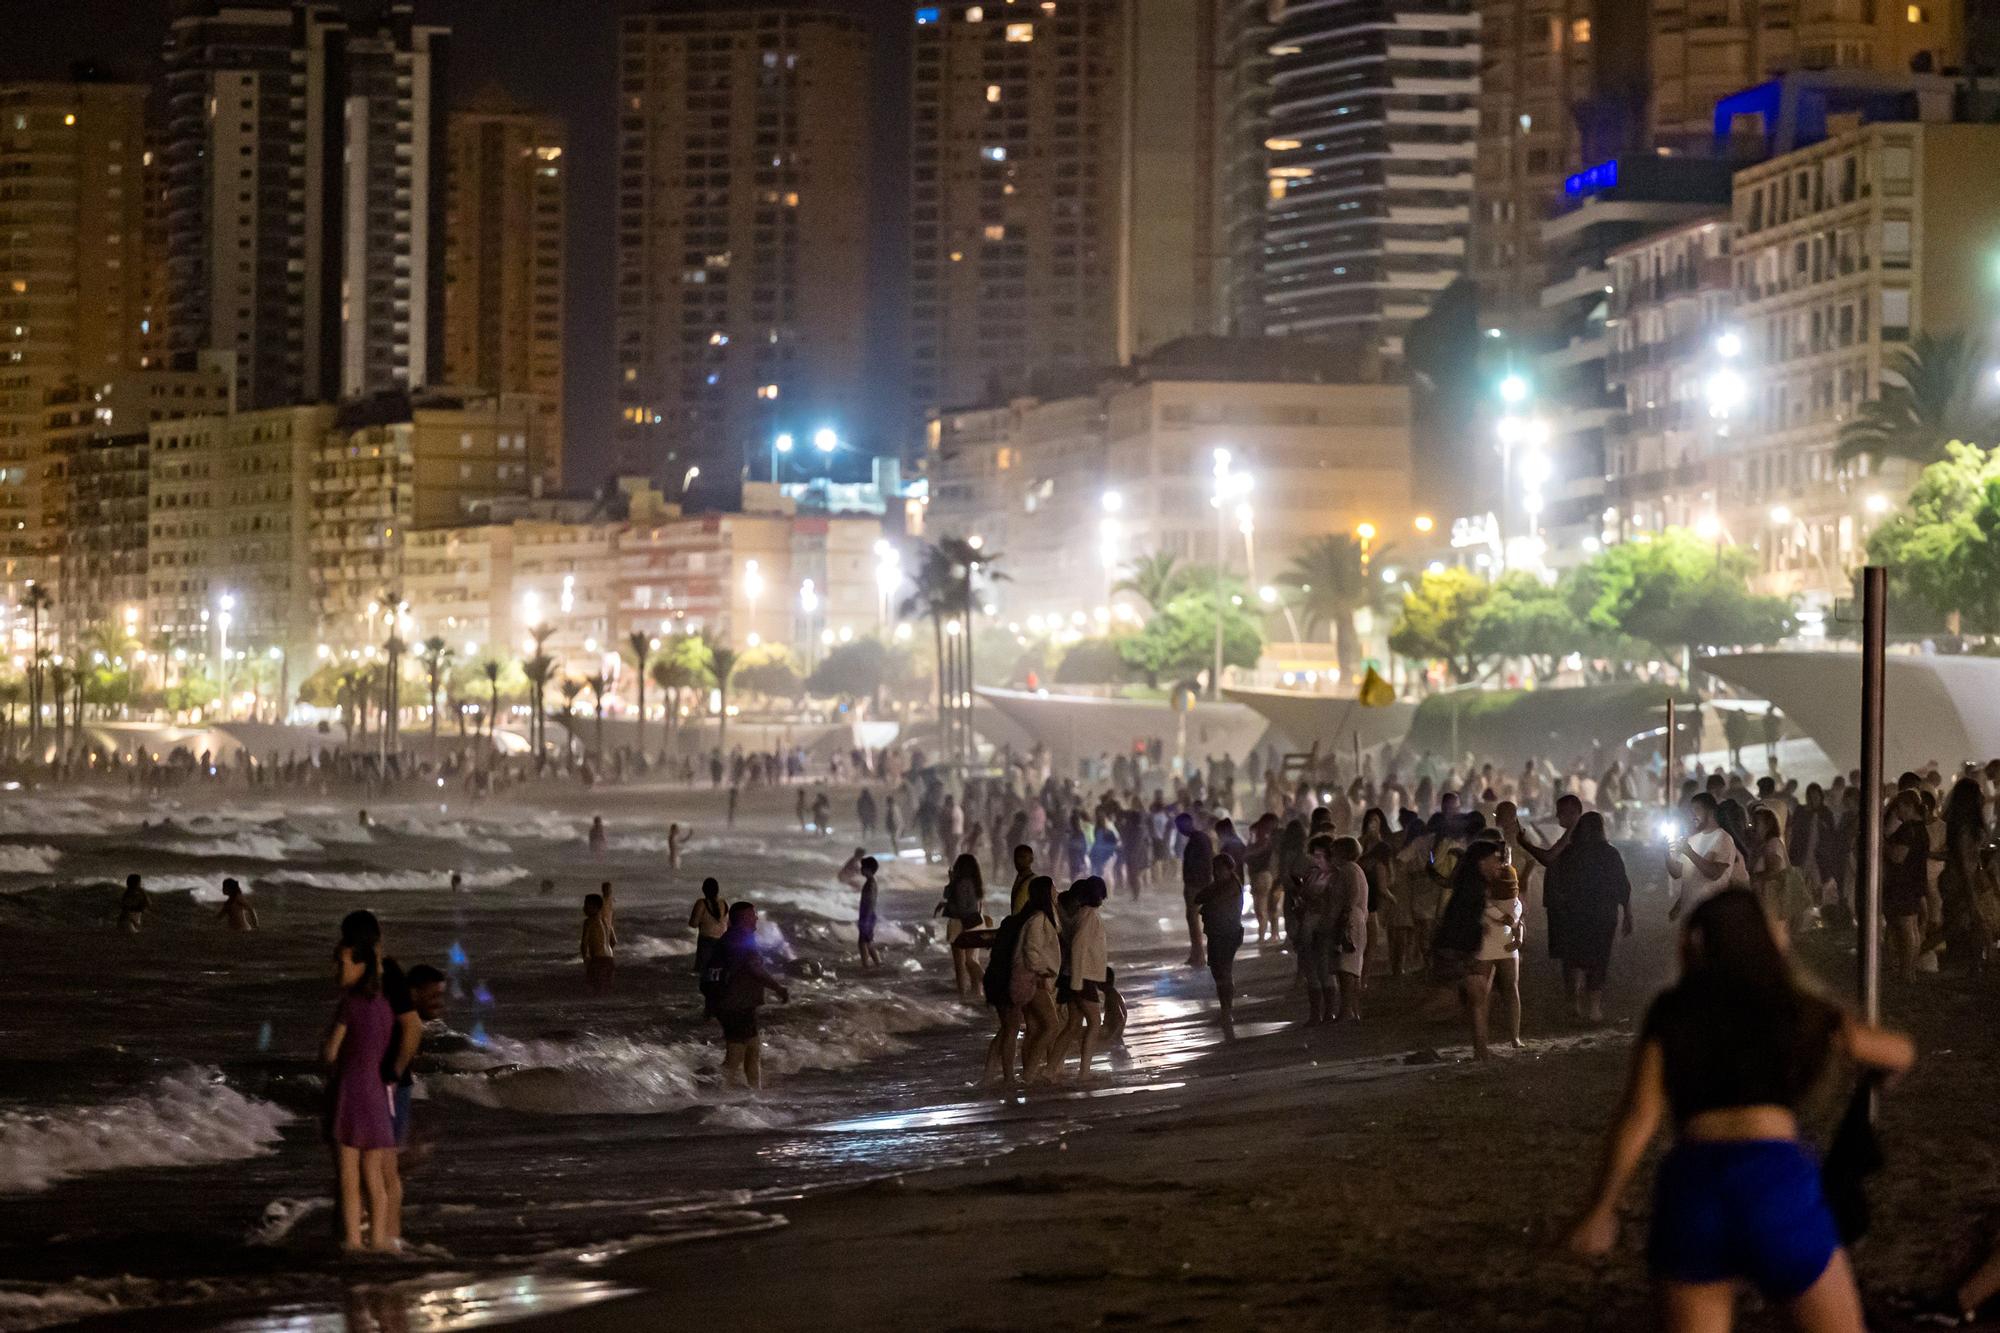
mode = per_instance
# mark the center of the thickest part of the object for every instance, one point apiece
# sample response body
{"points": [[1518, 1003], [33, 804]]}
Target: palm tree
{"points": [[490, 669], [641, 644], [569, 687], [37, 599], [538, 669], [943, 590], [673, 674], [1334, 582], [58, 683], [436, 657], [10, 695], [721, 665], [1932, 392], [1154, 579], [599, 684]]}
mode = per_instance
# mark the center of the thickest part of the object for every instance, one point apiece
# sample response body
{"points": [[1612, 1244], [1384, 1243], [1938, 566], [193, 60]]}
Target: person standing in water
{"points": [[1197, 877], [709, 920], [961, 908], [1219, 909], [734, 985], [864, 921], [595, 947], [597, 839], [676, 839], [1731, 1051], [363, 1133], [132, 906], [236, 909]]}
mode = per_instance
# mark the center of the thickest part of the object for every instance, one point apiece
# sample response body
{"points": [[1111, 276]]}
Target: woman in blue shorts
{"points": [[1731, 1050]]}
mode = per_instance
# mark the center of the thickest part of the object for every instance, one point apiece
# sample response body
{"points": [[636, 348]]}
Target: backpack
{"points": [[999, 979]]}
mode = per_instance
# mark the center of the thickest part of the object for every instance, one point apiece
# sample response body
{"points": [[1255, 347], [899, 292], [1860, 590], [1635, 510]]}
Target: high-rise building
{"points": [[1561, 83], [304, 153], [1703, 51], [1063, 189], [1372, 120], [71, 265], [1242, 94], [504, 261], [742, 237]]}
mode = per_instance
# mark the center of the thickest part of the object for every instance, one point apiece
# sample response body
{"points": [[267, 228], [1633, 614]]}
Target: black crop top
{"points": [[1721, 1054]]}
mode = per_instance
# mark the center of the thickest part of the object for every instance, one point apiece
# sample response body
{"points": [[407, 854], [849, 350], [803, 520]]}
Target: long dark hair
{"points": [[1964, 813], [966, 869], [1380, 818], [1729, 814], [1041, 897], [1588, 830], [711, 891], [369, 983]]}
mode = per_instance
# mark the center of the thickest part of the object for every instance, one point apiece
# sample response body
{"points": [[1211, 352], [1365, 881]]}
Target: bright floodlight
{"points": [[1113, 502], [1781, 515], [1513, 389], [784, 442], [1707, 527], [1727, 391], [1877, 503], [825, 440], [1365, 531], [1729, 345], [1268, 594], [1221, 462], [1424, 522]]}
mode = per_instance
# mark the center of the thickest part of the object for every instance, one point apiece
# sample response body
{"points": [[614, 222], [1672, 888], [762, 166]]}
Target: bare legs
{"points": [[741, 1060], [361, 1170], [1040, 1013], [1086, 1020], [1830, 1305]]}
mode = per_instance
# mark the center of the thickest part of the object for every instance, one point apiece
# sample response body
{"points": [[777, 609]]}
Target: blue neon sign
{"points": [[1592, 179]]}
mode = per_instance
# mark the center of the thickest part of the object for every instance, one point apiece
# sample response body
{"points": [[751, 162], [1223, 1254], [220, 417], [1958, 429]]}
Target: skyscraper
{"points": [[304, 151], [71, 268], [1242, 94], [742, 237], [1372, 119], [1561, 83], [504, 261], [1062, 194]]}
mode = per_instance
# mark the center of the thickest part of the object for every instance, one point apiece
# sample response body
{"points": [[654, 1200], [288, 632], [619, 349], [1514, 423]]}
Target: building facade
{"points": [[504, 261], [1072, 491], [1063, 190], [1372, 119], [303, 159], [1844, 251], [742, 237]]}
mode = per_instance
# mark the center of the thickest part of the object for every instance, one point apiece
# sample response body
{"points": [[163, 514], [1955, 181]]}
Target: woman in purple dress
{"points": [[363, 1134]]}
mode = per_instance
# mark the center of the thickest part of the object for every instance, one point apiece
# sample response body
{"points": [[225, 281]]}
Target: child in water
{"points": [[596, 945], [865, 923], [236, 909]]}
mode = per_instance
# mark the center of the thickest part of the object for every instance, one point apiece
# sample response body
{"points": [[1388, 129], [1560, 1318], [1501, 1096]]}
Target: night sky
{"points": [[557, 55]]}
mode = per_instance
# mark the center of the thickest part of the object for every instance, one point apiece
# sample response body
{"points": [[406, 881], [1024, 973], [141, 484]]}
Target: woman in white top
{"points": [[1037, 962], [1083, 985], [1350, 923], [1502, 932]]}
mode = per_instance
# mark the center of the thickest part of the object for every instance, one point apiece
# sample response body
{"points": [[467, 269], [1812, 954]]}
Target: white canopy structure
{"points": [[1075, 726], [1943, 710]]}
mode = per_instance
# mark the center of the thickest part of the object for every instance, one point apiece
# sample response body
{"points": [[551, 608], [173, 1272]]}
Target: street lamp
{"points": [[226, 605], [826, 439], [753, 588], [1109, 533], [1229, 486], [1268, 595], [781, 443], [1423, 522]]}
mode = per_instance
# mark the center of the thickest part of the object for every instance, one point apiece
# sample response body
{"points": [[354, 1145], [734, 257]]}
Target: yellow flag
{"points": [[1375, 691]]}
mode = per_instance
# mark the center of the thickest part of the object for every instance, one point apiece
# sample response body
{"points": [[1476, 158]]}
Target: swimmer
{"points": [[236, 909], [597, 838], [548, 887], [677, 838], [457, 882], [132, 905]]}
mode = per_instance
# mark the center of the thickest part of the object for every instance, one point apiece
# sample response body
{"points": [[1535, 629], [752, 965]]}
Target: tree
{"points": [[36, 601], [1676, 592], [1179, 639], [599, 685], [490, 669], [1942, 549], [856, 670], [943, 590], [721, 666], [641, 645], [1438, 620], [1933, 393], [767, 670], [1529, 619], [683, 665], [436, 658], [539, 670], [1096, 662], [1334, 582], [1154, 579]]}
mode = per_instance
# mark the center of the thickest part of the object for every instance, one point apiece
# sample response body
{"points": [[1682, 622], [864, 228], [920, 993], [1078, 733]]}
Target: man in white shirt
{"points": [[1706, 860]]}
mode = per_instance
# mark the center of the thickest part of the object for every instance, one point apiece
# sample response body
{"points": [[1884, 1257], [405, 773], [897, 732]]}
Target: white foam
{"points": [[824, 1029], [183, 1119], [644, 948], [387, 881], [745, 1116], [260, 846], [15, 860], [282, 1217]]}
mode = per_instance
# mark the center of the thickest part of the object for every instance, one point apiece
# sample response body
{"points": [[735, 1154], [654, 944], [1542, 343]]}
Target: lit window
{"points": [[1527, 122], [992, 92], [1281, 145], [974, 14], [927, 15], [767, 391], [548, 154], [70, 119], [1020, 32], [957, 255], [1915, 13], [994, 153], [1579, 32], [996, 232]]}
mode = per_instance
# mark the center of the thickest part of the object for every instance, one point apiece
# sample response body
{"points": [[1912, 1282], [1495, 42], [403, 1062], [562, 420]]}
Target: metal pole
{"points": [[1670, 780], [1868, 855], [1221, 567]]}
